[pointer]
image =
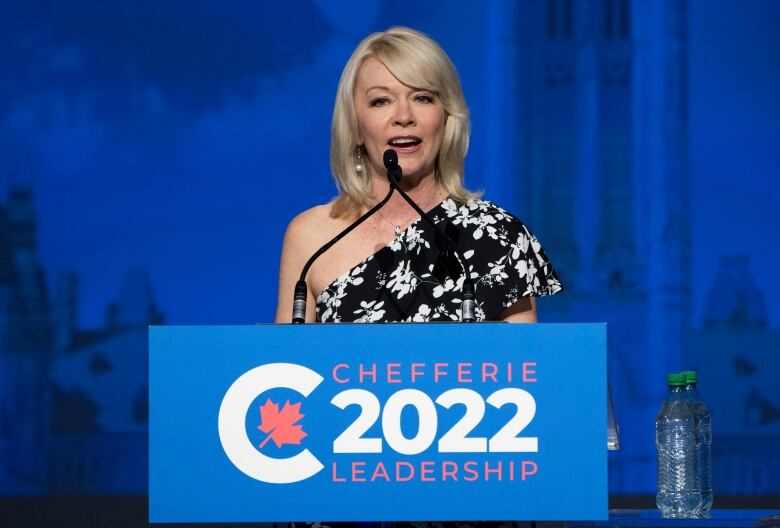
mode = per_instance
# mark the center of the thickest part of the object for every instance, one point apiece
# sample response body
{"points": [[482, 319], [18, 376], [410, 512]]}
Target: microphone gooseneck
{"points": [[468, 305], [394, 175], [301, 289]]}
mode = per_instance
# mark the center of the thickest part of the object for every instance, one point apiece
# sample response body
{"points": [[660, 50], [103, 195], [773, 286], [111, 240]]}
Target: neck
{"points": [[425, 191]]}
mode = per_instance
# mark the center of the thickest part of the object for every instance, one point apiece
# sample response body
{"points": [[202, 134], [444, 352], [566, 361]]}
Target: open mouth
{"points": [[404, 142]]}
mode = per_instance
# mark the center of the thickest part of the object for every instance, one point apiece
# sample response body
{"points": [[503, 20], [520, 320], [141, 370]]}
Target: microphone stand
{"points": [[394, 173], [468, 304], [301, 289]]}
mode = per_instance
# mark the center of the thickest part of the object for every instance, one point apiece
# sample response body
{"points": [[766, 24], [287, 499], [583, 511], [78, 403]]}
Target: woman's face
{"points": [[393, 115]]}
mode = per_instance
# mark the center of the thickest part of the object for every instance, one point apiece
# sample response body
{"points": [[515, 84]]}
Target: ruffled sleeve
{"points": [[508, 261]]}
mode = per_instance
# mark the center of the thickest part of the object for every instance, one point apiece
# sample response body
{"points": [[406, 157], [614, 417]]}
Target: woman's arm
{"points": [[523, 311]]}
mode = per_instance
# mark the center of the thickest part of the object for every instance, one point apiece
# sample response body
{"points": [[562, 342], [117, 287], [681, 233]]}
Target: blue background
{"points": [[192, 369], [151, 155]]}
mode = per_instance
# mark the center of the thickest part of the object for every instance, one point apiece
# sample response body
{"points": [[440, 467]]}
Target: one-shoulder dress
{"points": [[415, 278]]}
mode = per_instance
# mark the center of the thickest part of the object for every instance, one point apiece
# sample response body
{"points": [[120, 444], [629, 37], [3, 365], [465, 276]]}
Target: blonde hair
{"points": [[417, 61]]}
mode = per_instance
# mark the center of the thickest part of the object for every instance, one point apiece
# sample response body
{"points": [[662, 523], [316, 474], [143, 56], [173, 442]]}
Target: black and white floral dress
{"points": [[415, 279]]}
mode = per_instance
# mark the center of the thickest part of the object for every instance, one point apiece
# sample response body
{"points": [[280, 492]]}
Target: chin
{"points": [[416, 177]]}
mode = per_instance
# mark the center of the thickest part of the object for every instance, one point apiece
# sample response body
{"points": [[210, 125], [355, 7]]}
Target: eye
{"points": [[424, 98], [379, 101]]}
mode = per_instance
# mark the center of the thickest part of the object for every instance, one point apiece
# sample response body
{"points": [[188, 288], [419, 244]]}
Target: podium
{"points": [[380, 422]]}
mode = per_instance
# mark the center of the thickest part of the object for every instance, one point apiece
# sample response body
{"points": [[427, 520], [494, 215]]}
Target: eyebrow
{"points": [[377, 88], [388, 89]]}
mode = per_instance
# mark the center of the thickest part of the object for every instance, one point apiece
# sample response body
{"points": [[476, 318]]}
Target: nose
{"points": [[404, 115]]}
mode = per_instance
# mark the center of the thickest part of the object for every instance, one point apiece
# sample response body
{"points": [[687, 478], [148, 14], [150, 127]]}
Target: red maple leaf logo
{"points": [[280, 424]]}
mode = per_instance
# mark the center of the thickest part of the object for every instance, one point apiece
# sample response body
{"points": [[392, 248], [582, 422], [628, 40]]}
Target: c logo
{"points": [[232, 423]]}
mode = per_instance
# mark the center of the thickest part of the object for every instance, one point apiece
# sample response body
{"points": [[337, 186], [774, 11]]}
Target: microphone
{"points": [[394, 173], [301, 289], [390, 159]]}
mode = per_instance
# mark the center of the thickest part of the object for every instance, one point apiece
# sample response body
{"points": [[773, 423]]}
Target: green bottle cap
{"points": [[690, 376], [675, 380]]}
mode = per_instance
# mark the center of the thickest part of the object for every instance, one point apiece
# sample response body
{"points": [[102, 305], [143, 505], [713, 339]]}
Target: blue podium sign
{"points": [[383, 422]]}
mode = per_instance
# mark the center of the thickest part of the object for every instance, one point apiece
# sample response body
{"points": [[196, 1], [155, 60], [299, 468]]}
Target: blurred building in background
{"points": [[739, 357], [74, 408], [601, 140], [26, 350], [602, 161]]}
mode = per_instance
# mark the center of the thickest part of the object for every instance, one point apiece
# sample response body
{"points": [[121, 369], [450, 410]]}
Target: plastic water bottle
{"points": [[678, 495], [703, 422]]}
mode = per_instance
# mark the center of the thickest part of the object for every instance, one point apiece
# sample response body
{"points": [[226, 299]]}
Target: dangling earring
{"points": [[359, 156]]}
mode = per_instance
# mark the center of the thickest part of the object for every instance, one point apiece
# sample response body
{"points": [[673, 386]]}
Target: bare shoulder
{"points": [[311, 217], [305, 234], [312, 227]]}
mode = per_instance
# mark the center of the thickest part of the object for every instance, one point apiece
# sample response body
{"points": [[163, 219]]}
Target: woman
{"points": [[399, 90]]}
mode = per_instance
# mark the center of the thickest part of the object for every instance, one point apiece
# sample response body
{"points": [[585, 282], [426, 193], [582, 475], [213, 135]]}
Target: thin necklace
{"points": [[397, 227]]}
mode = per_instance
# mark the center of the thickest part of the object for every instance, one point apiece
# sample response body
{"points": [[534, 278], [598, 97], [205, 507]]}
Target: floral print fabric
{"points": [[416, 279]]}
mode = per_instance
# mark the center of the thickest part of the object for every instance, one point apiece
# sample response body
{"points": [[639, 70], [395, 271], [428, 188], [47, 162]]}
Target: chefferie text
{"points": [[462, 372]]}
